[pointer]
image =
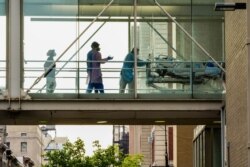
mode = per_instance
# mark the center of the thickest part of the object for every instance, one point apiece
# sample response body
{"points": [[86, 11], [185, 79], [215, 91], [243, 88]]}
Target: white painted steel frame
{"points": [[14, 50], [135, 50]]}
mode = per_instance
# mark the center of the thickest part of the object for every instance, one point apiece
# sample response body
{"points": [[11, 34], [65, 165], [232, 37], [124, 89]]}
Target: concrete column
{"points": [[14, 49]]}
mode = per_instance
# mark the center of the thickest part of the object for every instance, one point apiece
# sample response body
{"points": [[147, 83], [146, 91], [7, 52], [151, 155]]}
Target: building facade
{"points": [[162, 145], [32, 142], [237, 87], [26, 141]]}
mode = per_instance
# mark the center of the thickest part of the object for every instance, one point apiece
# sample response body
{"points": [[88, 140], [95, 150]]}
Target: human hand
{"points": [[109, 58]]}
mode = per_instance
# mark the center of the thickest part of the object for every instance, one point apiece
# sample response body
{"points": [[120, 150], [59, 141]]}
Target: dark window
{"points": [[23, 146], [23, 134]]}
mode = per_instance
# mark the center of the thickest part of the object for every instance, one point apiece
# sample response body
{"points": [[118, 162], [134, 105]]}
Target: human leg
{"points": [[122, 85], [131, 86], [50, 85], [99, 87], [90, 87]]}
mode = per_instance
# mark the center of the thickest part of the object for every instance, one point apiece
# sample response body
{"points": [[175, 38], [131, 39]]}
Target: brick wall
{"points": [[236, 82]]}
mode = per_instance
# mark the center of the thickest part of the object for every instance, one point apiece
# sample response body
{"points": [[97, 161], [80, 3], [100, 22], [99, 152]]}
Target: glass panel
{"points": [[2, 46], [49, 28], [178, 67], [111, 32], [111, 44], [208, 31], [161, 43], [173, 65]]}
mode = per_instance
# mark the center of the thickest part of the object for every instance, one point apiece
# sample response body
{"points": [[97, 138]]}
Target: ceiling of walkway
{"points": [[123, 2], [119, 8]]}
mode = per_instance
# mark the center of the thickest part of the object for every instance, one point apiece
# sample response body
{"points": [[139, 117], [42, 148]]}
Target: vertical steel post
{"points": [[135, 50], [14, 50]]}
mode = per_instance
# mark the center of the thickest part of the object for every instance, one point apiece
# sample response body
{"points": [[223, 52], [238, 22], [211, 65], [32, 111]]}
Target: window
{"points": [[23, 134], [23, 146]]}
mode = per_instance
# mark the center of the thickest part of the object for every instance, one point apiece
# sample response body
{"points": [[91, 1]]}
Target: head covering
{"points": [[95, 45], [51, 52], [133, 50]]}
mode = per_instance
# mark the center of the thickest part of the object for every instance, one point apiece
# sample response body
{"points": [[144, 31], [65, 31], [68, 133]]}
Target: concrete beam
{"points": [[113, 111]]}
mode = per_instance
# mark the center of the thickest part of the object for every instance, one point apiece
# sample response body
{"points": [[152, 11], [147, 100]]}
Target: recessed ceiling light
{"points": [[160, 121], [43, 122], [102, 122]]}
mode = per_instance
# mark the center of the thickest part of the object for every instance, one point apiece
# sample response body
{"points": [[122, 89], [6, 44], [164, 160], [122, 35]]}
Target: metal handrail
{"points": [[113, 73]]}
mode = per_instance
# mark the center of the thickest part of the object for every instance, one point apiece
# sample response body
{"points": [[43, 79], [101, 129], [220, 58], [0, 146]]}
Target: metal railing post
{"points": [[135, 49]]}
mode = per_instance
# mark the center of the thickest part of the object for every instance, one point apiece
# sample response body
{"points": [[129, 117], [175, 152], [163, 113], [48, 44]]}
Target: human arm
{"points": [[141, 62], [101, 60]]}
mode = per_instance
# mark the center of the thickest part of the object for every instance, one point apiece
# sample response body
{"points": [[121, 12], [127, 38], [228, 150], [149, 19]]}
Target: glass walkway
{"points": [[44, 64]]}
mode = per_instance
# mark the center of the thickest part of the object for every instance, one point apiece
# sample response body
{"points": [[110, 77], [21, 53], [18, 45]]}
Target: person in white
{"points": [[50, 72]]}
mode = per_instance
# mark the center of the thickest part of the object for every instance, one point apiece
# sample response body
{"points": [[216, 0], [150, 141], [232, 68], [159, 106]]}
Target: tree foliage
{"points": [[73, 155], [132, 161]]}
